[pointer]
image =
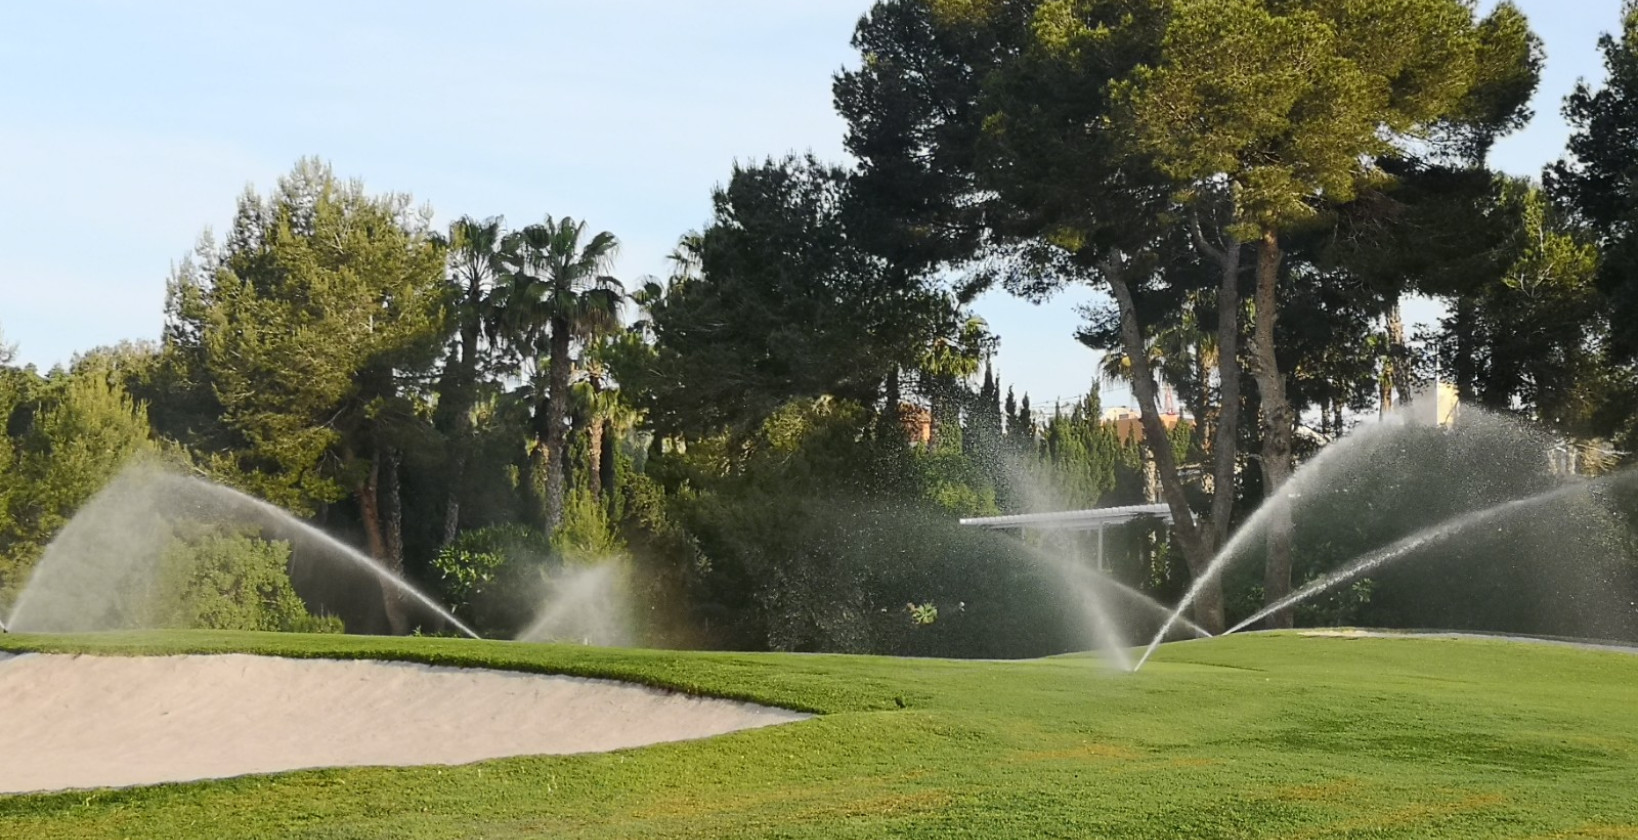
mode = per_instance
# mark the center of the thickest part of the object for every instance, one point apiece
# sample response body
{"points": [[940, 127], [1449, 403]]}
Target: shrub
{"points": [[230, 582], [490, 576]]}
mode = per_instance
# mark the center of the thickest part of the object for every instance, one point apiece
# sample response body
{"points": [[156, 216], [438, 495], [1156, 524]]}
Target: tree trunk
{"points": [[594, 457], [1226, 448], [1226, 441], [377, 530], [1197, 551], [456, 396], [1398, 379], [1279, 424], [391, 514], [557, 400], [1198, 399], [935, 412], [534, 477], [889, 426], [463, 397], [369, 510], [1466, 373], [452, 502], [609, 464]]}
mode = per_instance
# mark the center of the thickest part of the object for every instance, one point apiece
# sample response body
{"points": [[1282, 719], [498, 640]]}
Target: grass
{"points": [[1253, 736]]}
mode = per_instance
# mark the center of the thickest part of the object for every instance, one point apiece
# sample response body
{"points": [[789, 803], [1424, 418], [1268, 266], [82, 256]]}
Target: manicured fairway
{"points": [[1256, 736]]}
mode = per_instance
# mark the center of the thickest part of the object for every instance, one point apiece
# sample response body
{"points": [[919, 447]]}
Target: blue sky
{"points": [[130, 127]]}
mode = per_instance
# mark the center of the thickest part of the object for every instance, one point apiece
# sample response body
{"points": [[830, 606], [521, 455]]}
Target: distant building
{"points": [[1437, 404], [1128, 422], [917, 423]]}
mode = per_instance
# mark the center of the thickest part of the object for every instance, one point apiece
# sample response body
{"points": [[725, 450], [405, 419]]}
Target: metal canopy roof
{"points": [[1073, 520]]}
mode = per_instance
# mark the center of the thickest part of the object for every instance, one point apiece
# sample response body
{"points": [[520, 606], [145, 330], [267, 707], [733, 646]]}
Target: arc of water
{"points": [[590, 601], [1106, 628], [381, 573], [1103, 626], [1428, 536], [1141, 599], [1297, 485], [277, 517]]}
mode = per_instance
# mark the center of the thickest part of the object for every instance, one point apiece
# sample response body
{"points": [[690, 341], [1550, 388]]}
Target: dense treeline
{"points": [[772, 443]]}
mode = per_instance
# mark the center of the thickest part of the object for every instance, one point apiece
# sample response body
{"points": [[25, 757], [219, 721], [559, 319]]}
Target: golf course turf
{"points": [[1273, 735]]}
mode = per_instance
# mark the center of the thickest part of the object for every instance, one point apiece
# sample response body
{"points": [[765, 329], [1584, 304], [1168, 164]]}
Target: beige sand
{"points": [[83, 722]]}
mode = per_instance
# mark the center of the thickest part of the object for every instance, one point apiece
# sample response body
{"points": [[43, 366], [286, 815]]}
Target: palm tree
{"points": [[474, 269], [688, 258], [601, 413], [1182, 355], [554, 289], [953, 355]]}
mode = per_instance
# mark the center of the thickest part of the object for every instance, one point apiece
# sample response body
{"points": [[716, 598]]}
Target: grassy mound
{"points": [[1260, 736]]}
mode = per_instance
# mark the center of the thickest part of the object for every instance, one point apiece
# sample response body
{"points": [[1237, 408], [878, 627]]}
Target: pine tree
{"points": [[1596, 180]]}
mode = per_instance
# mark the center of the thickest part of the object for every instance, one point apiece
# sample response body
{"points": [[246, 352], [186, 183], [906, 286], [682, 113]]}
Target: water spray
{"points": [[1138, 597], [1132, 594], [1429, 536], [1296, 486], [121, 532], [358, 558]]}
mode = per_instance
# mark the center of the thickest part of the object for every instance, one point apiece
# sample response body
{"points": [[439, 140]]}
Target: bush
{"points": [[489, 577], [230, 582], [585, 535], [806, 574]]}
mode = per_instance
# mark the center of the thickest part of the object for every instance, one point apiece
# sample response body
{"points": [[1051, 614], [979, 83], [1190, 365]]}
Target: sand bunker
{"points": [[83, 721]]}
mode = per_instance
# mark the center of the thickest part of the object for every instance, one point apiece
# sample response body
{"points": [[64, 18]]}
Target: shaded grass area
{"points": [[1262, 736]]}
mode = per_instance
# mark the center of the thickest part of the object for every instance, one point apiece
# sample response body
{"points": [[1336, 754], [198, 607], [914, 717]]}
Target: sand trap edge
{"points": [[119, 721]]}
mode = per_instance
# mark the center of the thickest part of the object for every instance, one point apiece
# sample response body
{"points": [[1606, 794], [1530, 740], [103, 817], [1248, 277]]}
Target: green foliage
{"points": [[785, 306], [814, 536], [834, 574], [911, 121], [1080, 456], [1291, 102], [1594, 182], [742, 441], [1547, 284], [922, 615], [474, 568], [68, 435], [585, 536], [1557, 567], [230, 582], [554, 290], [294, 328], [954, 482], [1508, 63]]}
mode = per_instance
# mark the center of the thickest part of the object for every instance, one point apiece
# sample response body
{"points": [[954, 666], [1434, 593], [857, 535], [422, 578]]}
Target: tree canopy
{"points": [[772, 446]]}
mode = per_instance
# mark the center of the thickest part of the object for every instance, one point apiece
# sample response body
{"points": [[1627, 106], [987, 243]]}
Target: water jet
{"points": [[1405, 547], [100, 571], [1393, 489], [584, 605]]}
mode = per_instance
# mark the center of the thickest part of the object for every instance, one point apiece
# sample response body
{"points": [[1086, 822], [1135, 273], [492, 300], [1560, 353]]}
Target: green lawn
{"points": [[1276, 736]]}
